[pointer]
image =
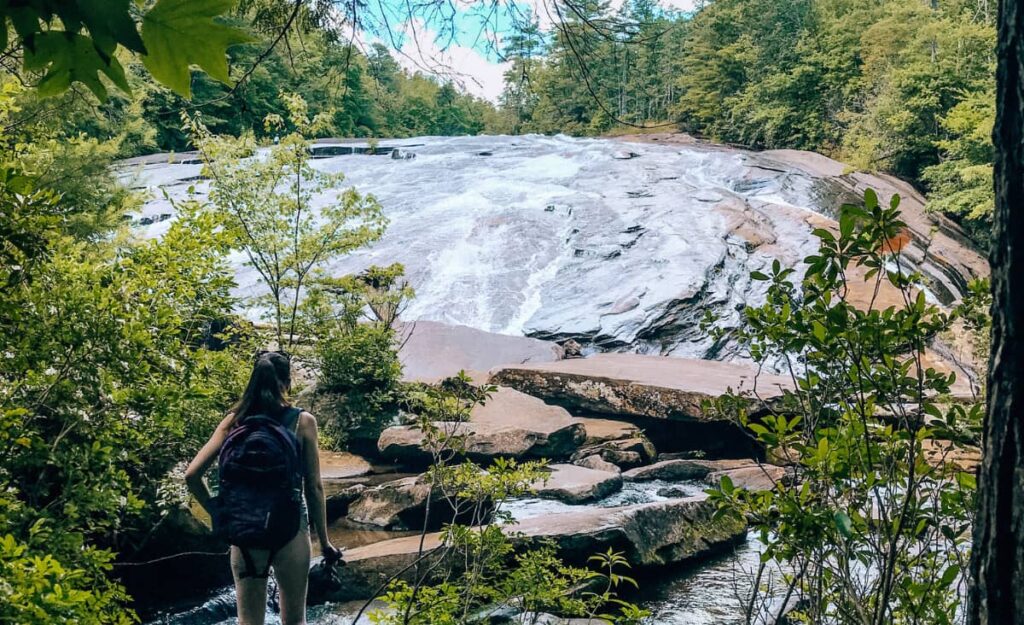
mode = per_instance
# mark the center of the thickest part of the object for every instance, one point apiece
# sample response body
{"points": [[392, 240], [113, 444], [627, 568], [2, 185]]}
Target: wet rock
{"points": [[597, 463], [675, 492], [624, 155], [574, 484], [635, 385], [338, 499], [652, 534]]}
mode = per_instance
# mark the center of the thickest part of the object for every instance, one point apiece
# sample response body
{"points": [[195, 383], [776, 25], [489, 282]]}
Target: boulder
{"points": [[573, 484], [597, 463], [675, 492], [626, 453], [336, 465], [338, 498], [509, 425], [651, 534], [602, 430], [431, 351], [624, 155], [679, 470], [402, 505], [653, 387], [760, 477]]}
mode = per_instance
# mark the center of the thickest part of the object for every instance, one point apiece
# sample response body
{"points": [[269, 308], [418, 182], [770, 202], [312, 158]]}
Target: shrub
{"points": [[873, 528], [359, 382]]}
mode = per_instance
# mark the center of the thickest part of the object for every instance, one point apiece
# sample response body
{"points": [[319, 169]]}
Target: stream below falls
{"points": [[706, 592]]}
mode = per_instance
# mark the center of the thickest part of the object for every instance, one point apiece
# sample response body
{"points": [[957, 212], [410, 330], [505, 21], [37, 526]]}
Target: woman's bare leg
{"points": [[250, 592], [291, 569]]}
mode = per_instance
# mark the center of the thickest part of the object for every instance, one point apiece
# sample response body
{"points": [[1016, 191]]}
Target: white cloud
{"points": [[468, 68]]}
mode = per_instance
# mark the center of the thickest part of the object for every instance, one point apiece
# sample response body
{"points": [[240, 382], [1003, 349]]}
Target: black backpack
{"points": [[259, 502]]}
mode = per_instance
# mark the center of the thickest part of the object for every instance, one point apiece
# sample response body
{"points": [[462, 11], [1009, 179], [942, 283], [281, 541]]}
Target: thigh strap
{"points": [[250, 564]]}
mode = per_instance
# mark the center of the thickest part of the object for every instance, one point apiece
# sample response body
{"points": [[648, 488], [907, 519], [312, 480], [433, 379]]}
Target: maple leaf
{"points": [[180, 33], [69, 57]]}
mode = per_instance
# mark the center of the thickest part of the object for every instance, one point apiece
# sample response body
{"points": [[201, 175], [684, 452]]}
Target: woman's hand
{"points": [[330, 552]]}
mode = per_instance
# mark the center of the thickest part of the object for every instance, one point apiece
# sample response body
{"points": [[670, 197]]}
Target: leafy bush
{"points": [[103, 389], [359, 382], [874, 525]]}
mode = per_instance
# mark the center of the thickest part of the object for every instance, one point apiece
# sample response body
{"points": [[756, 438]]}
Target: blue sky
{"points": [[459, 40]]}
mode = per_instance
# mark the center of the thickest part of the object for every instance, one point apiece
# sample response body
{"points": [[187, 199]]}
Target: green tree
{"points": [[268, 204]]}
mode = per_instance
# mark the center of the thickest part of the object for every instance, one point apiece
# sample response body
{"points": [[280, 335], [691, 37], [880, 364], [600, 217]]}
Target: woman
{"points": [[266, 395]]}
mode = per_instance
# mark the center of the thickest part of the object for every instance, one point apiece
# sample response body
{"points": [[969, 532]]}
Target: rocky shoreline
{"points": [[608, 484]]}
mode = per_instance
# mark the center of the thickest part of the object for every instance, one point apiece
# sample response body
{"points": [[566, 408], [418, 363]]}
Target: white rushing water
{"points": [[559, 237]]}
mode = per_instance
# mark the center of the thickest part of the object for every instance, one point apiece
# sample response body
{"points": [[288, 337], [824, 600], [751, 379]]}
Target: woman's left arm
{"points": [[314, 485], [199, 465]]}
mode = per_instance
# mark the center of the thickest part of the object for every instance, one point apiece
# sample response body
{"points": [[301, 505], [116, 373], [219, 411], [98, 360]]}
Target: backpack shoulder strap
{"points": [[290, 419]]}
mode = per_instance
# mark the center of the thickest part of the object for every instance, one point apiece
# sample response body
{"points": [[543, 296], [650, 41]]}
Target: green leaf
{"points": [[70, 57], [726, 485], [179, 33], [843, 523], [870, 199], [110, 23], [846, 223]]}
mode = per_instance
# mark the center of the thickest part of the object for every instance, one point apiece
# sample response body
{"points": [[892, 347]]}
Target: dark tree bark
{"points": [[997, 566]]}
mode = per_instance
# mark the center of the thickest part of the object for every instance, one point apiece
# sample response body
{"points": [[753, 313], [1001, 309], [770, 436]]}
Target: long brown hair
{"points": [[268, 386]]}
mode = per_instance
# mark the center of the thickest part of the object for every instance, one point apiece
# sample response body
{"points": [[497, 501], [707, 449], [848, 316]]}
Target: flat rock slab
{"points": [[509, 407], [574, 484], [509, 424], [651, 534], [755, 478], [432, 351], [603, 430], [484, 442], [336, 465], [678, 470], [643, 386]]}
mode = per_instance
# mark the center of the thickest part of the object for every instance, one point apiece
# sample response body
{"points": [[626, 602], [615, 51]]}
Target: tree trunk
{"points": [[997, 566]]}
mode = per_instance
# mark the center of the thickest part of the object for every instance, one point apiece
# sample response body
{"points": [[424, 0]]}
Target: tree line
{"points": [[901, 86]]}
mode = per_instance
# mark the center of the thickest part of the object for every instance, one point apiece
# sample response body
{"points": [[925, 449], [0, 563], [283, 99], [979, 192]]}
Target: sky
{"points": [[459, 40]]}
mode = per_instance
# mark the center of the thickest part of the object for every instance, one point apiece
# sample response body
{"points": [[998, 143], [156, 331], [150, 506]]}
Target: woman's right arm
{"points": [[199, 465]]}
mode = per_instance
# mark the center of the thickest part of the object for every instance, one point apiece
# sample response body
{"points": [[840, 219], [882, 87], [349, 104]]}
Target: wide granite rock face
{"points": [[653, 387], [652, 534]]}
